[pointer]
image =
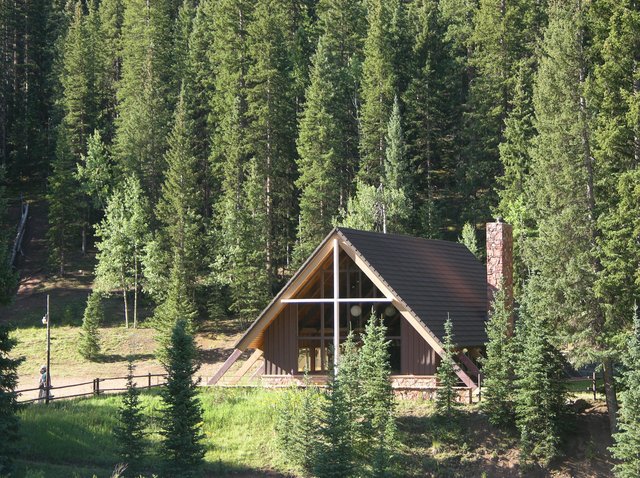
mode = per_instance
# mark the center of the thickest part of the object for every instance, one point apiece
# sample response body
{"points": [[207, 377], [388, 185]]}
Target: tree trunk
{"points": [[610, 394], [135, 290], [126, 307], [84, 239]]}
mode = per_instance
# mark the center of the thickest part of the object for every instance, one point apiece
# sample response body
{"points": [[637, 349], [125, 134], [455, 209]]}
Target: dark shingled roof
{"points": [[433, 278]]}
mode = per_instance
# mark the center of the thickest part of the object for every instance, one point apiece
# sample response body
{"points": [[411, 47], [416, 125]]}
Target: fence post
{"points": [[479, 386], [97, 386], [593, 384], [149, 382]]}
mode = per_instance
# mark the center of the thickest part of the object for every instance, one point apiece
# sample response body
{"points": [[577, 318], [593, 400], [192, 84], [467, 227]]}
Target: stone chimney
{"points": [[499, 260]]}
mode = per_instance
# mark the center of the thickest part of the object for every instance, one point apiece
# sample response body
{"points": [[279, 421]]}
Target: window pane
{"points": [[304, 359]]}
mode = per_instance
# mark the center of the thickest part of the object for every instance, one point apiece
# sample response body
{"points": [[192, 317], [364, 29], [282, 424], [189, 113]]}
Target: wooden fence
{"points": [[96, 388]]}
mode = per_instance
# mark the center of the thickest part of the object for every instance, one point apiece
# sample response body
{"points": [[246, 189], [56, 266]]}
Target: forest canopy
{"points": [[207, 147]]}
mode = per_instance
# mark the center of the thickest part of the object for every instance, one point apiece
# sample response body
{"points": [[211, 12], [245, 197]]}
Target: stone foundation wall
{"points": [[404, 387]]}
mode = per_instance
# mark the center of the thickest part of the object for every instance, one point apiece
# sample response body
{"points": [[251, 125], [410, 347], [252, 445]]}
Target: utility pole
{"points": [[47, 319]]}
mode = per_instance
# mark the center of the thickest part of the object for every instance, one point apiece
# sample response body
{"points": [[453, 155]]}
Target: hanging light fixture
{"points": [[356, 310], [390, 311]]}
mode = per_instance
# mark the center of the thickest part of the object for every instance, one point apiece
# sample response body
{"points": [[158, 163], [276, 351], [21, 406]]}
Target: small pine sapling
{"points": [[297, 426], [497, 367], [129, 432], [89, 346], [182, 415], [446, 373], [336, 447], [376, 404], [540, 392]]}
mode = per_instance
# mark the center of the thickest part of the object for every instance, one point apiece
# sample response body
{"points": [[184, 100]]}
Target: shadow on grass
{"points": [[113, 358], [450, 446]]}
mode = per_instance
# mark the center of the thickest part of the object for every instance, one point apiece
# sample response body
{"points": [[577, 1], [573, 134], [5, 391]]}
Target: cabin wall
{"points": [[281, 343], [281, 347], [417, 356]]}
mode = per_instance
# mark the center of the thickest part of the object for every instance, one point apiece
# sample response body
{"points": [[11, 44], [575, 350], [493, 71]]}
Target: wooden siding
{"points": [[281, 343], [417, 356]]}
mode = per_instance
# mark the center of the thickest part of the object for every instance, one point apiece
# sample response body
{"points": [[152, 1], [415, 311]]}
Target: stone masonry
{"points": [[500, 259]]}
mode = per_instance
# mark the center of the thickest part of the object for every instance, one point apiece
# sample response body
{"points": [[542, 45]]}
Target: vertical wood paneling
{"points": [[417, 356], [281, 343]]}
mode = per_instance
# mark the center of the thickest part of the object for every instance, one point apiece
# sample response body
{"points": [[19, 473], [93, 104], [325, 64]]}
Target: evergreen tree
{"points": [[31, 46], [379, 86], [497, 367], [297, 426], [244, 270], [433, 115], [567, 263], [178, 304], [89, 346], [181, 428], [146, 91], [385, 207], [328, 137], [79, 80], [9, 422], [7, 275], [337, 448], [627, 438], [504, 35], [470, 240], [111, 14], [129, 432], [614, 95], [82, 92], [376, 403], [540, 393], [95, 171], [272, 128], [446, 395], [515, 157], [198, 79], [63, 206], [242, 221], [179, 205]]}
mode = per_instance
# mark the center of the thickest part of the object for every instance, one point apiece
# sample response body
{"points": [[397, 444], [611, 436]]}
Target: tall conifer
{"points": [[379, 86], [627, 438], [181, 428], [328, 138], [9, 423], [272, 128], [540, 391], [7, 275], [432, 116], [566, 200], [179, 207], [614, 92]]}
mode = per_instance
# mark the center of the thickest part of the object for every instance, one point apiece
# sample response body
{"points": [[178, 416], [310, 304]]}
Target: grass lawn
{"points": [[75, 437]]}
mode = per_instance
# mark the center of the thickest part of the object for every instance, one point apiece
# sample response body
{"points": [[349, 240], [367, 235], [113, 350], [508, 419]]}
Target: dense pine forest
{"points": [[206, 147]]}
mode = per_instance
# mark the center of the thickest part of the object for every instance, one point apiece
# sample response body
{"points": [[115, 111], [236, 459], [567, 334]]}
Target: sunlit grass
{"points": [[78, 434]]}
